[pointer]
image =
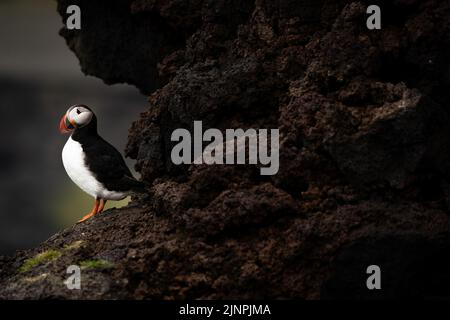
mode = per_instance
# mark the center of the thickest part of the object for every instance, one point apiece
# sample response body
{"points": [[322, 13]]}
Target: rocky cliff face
{"points": [[364, 153]]}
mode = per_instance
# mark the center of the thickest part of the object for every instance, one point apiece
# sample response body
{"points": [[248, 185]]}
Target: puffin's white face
{"points": [[76, 117]]}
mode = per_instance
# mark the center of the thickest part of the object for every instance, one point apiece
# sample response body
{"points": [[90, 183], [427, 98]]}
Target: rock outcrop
{"points": [[364, 153]]}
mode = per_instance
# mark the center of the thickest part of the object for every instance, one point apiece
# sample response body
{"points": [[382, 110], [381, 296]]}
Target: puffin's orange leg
{"points": [[102, 205], [93, 212]]}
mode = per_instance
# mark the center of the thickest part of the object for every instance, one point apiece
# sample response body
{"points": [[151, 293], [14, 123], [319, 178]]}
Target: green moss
{"points": [[36, 279], [96, 264], [40, 258], [74, 245]]}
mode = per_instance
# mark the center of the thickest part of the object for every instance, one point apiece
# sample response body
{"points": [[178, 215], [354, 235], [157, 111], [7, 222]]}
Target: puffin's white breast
{"points": [[74, 162]]}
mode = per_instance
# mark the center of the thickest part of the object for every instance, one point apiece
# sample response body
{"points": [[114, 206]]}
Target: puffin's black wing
{"points": [[109, 167]]}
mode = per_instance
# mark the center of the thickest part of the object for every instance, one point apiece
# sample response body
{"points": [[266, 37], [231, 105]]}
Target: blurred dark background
{"points": [[39, 79]]}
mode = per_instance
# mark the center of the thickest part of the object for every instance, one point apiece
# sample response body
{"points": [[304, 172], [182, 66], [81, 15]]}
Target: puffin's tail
{"points": [[136, 186], [140, 191], [140, 188]]}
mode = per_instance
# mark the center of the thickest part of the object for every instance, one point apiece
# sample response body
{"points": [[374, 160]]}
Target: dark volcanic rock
{"points": [[364, 177]]}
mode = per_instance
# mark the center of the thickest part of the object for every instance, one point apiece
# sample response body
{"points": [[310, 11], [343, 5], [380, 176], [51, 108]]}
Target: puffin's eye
{"points": [[78, 111]]}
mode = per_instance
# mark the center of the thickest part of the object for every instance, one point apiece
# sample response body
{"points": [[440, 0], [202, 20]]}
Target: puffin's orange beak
{"points": [[65, 126]]}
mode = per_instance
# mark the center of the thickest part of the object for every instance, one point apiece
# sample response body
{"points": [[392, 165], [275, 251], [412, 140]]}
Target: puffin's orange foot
{"points": [[86, 217], [93, 212], [102, 205]]}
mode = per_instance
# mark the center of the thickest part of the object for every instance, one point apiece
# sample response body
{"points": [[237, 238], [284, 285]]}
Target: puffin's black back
{"points": [[104, 161]]}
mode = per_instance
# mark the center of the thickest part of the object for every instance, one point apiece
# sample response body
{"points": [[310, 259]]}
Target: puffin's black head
{"points": [[78, 116]]}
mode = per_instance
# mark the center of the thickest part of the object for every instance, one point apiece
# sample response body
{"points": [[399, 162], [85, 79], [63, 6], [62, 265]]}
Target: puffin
{"points": [[93, 164]]}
